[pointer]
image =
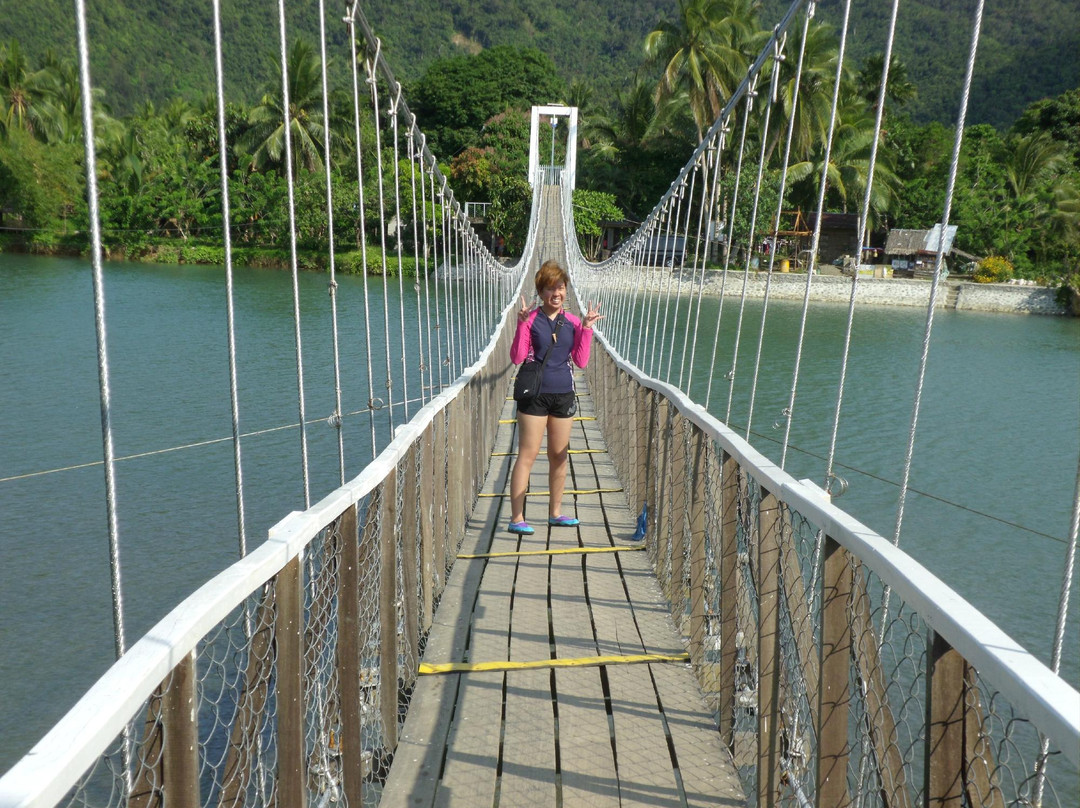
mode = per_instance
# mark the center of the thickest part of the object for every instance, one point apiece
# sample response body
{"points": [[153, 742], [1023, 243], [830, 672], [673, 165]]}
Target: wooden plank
{"points": [[388, 618], [835, 693], [587, 768], [180, 718], [291, 780], [349, 661], [699, 572], [880, 723], [768, 527], [429, 511], [250, 707], [528, 752], [945, 724], [679, 463], [728, 573], [409, 563]]}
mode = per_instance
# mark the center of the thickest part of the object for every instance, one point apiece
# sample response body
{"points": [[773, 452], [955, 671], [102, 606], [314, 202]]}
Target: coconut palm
{"points": [[811, 100], [704, 53], [899, 90], [267, 133], [20, 90], [849, 166]]}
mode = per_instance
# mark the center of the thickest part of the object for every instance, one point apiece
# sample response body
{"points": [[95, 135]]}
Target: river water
{"points": [[997, 446]]}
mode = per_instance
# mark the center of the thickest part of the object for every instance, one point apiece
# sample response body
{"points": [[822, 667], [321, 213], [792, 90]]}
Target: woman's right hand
{"points": [[524, 312]]}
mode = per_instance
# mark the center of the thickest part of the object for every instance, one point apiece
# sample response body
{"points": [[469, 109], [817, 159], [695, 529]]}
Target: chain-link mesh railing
{"points": [[841, 672], [287, 678]]}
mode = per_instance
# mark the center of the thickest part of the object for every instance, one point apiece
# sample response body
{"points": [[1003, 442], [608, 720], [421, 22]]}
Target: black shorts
{"points": [[559, 405]]}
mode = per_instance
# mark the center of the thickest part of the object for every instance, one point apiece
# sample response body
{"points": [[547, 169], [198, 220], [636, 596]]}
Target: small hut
{"points": [[913, 252]]}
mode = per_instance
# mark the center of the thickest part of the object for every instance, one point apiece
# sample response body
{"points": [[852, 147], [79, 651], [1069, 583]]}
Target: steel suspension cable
{"points": [[681, 265], [286, 105], [864, 219], [230, 310], [373, 82], [748, 105], [101, 331], [707, 213], [950, 185], [773, 99], [336, 419], [415, 165], [792, 113], [816, 239], [395, 109], [354, 61]]}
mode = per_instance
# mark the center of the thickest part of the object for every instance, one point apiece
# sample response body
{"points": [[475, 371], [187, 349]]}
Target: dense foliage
{"points": [[1016, 193]]}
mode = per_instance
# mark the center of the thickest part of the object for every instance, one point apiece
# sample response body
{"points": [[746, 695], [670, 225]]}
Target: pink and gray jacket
{"points": [[564, 336]]}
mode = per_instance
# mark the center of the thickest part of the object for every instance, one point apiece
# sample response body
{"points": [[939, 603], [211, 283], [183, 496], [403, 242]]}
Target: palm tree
{"points": [[20, 89], [849, 166], [899, 90], [267, 133], [812, 103], [704, 53]]}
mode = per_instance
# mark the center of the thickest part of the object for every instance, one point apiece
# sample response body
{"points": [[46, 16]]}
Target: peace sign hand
{"points": [[524, 312], [592, 315]]}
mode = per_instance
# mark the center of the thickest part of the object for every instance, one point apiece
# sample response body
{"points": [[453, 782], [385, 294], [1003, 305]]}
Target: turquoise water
{"points": [[999, 435]]}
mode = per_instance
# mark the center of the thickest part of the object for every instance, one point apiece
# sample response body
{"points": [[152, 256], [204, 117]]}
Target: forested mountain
{"points": [[158, 49]]}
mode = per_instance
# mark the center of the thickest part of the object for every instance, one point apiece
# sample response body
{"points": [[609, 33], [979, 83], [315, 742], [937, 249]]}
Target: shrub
{"points": [[993, 269]]}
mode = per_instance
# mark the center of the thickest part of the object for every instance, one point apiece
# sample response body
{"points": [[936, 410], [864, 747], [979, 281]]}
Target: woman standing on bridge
{"points": [[565, 337]]}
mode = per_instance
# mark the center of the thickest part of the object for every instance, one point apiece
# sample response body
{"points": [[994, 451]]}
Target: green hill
{"points": [[157, 50]]}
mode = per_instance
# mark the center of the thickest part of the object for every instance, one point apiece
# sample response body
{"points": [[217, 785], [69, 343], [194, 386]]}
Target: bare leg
{"points": [[558, 446], [530, 434]]}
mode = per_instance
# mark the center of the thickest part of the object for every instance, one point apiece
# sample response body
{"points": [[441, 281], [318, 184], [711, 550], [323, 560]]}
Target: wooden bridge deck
{"points": [[609, 734]]}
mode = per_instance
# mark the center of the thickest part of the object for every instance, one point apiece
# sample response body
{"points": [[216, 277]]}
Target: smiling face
{"points": [[553, 298]]}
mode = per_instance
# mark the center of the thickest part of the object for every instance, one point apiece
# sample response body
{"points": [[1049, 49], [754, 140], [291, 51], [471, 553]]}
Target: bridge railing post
{"points": [[291, 782], [834, 707], [769, 674], [728, 573]]}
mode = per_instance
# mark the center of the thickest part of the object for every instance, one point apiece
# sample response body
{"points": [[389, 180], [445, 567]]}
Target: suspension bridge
{"points": [[716, 632]]}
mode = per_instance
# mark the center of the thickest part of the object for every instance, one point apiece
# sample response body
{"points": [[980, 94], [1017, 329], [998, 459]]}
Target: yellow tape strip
{"points": [[571, 451], [575, 418], [581, 662], [566, 551], [573, 491]]}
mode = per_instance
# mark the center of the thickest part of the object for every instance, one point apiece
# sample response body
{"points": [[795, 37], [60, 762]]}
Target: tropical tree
{"points": [[20, 90], [809, 99], [899, 90], [266, 136], [848, 168], [704, 52]]}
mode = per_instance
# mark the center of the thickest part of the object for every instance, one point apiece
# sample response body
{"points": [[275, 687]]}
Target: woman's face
{"points": [[553, 296]]}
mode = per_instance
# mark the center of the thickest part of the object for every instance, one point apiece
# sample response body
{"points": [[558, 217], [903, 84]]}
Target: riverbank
{"points": [[953, 295]]}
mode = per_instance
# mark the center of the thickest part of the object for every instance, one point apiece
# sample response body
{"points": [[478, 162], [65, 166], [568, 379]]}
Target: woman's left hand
{"points": [[592, 315]]}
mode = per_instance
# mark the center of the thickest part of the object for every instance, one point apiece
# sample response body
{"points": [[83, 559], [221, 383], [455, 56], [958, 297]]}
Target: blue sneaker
{"points": [[563, 521], [521, 528]]}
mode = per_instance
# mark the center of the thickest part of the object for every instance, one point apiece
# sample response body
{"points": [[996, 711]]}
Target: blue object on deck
{"points": [[642, 522]]}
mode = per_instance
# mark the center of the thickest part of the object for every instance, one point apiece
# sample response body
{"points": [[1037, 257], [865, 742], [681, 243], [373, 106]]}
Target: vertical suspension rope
{"points": [[336, 419], [290, 185], [100, 328], [395, 109], [779, 207], [778, 57], [816, 240], [373, 82], [230, 311], [954, 164], [684, 229], [104, 392], [414, 164], [706, 214], [748, 106], [861, 240], [351, 23]]}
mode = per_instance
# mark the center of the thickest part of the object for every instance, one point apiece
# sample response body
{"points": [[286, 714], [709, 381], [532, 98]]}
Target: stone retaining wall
{"points": [[993, 297]]}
